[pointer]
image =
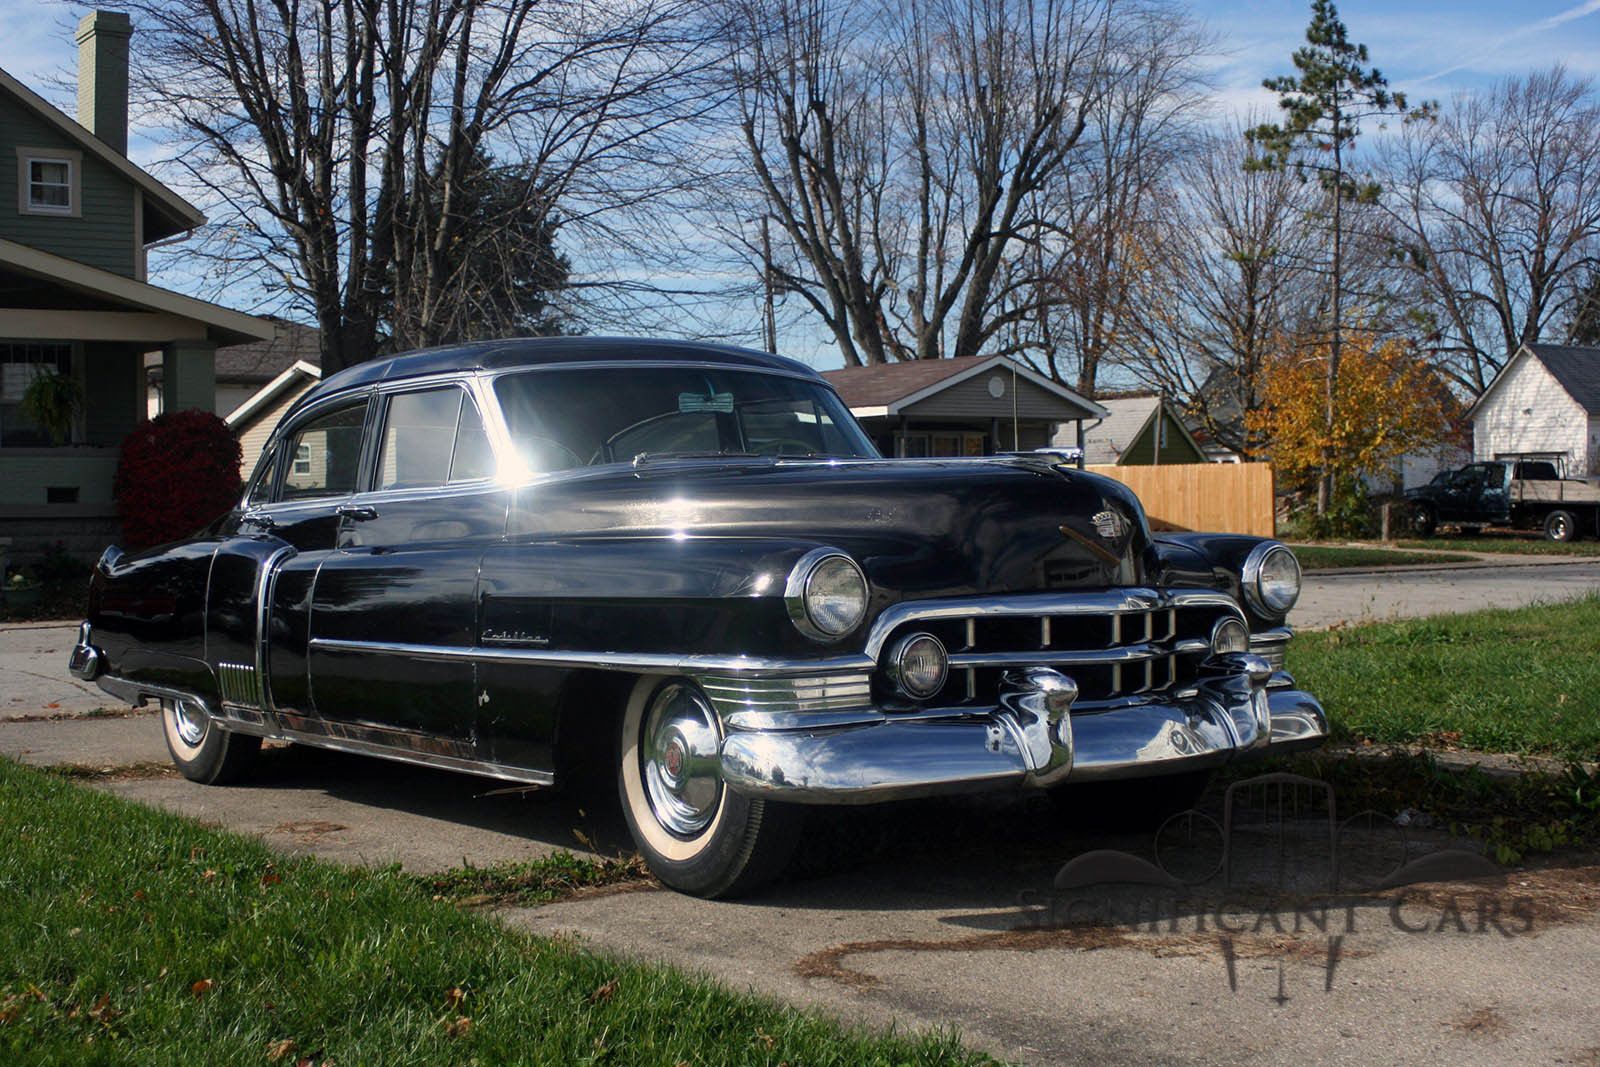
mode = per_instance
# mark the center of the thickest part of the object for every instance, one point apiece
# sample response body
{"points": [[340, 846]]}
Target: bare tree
{"points": [[1231, 281], [332, 140], [1498, 207], [911, 155], [1112, 195]]}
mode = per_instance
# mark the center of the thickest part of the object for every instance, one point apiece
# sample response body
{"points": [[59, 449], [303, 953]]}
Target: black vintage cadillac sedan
{"points": [[691, 560]]}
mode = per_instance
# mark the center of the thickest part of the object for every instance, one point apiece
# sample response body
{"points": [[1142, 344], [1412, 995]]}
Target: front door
{"points": [[395, 606]]}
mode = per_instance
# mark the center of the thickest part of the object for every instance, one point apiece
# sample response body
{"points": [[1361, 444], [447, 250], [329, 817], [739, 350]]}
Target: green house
{"points": [[76, 219], [1141, 430]]}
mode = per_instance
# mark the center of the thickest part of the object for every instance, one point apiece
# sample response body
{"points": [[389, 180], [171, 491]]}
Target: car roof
{"points": [[514, 353]]}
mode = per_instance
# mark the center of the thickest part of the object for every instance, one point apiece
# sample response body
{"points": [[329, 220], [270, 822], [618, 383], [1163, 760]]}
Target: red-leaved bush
{"points": [[178, 472]]}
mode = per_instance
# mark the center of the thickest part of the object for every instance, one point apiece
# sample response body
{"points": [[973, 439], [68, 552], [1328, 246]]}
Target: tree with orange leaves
{"points": [[1386, 403]]}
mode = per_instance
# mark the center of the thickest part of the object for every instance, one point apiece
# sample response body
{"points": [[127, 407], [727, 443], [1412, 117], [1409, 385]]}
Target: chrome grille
{"points": [[1113, 645]]}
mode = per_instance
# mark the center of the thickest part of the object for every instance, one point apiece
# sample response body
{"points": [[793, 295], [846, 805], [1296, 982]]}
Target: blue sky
{"points": [[1427, 49]]}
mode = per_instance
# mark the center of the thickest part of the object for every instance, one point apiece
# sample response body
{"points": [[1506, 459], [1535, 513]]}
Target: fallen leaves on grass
{"points": [[603, 993], [460, 1026], [202, 987], [277, 1050]]}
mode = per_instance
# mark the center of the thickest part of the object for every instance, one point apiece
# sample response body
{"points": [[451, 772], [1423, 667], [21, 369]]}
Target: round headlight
{"points": [[1271, 578], [918, 666], [826, 594], [1229, 635]]}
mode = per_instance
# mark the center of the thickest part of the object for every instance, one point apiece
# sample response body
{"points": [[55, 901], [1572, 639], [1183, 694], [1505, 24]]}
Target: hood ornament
{"points": [[1109, 525]]}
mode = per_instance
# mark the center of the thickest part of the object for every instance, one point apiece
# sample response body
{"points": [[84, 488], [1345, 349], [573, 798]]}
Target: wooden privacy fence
{"points": [[1215, 497]]}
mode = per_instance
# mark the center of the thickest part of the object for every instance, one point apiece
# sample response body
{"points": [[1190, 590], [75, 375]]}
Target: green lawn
{"points": [[1525, 545], [1524, 681], [136, 936], [1333, 557]]}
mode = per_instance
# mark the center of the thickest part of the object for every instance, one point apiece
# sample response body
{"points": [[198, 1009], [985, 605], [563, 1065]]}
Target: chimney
{"points": [[103, 76]]}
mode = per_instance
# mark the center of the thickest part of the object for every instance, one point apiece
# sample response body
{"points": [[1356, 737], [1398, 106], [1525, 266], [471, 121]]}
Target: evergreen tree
{"points": [[1324, 103]]}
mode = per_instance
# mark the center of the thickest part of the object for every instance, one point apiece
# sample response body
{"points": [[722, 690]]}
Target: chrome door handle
{"points": [[262, 522], [358, 512]]}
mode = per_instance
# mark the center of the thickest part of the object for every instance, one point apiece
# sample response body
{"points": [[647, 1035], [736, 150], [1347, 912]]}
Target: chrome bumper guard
{"points": [[1240, 707], [85, 661]]}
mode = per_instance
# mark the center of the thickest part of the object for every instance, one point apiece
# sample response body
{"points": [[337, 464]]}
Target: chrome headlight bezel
{"points": [[800, 590], [894, 666], [1256, 593]]}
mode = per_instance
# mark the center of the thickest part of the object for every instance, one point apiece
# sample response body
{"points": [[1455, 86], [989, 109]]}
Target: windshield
{"points": [[560, 419]]}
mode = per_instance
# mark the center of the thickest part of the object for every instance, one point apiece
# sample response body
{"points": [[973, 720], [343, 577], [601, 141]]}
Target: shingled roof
{"points": [[259, 362], [1577, 369], [881, 384], [885, 388]]}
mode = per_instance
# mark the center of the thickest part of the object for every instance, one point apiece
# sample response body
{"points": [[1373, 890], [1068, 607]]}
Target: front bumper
{"points": [[1033, 738]]}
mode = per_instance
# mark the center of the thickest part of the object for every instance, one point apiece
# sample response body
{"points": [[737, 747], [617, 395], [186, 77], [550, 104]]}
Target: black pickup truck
{"points": [[1525, 494]]}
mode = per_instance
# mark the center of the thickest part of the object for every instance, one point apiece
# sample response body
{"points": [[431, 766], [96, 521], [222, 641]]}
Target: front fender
{"points": [[645, 594], [1211, 561]]}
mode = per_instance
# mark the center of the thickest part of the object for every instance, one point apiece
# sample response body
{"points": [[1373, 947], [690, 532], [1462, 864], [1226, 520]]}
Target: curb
{"points": [[1513, 563], [1493, 764]]}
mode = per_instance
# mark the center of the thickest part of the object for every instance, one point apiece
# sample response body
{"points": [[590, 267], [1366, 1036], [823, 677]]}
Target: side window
{"points": [[431, 437], [264, 482], [471, 458], [325, 455]]}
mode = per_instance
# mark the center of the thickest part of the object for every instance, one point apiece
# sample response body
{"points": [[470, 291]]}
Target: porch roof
{"points": [[101, 288]]}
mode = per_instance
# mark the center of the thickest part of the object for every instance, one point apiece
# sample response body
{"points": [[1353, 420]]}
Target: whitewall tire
{"points": [[698, 836]]}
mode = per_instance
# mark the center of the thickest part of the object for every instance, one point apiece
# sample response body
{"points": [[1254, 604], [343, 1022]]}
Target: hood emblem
{"points": [[1109, 525]]}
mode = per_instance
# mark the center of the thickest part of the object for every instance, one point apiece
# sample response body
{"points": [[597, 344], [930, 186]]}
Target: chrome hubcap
{"points": [[191, 727], [679, 760]]}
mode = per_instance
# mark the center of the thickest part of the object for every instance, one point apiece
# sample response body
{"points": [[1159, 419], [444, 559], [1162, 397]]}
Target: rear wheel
{"points": [[1424, 520], [1561, 526], [698, 836], [203, 752]]}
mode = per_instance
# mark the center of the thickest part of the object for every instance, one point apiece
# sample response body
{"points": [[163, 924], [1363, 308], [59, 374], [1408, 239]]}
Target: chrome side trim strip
{"points": [[613, 661], [265, 581]]}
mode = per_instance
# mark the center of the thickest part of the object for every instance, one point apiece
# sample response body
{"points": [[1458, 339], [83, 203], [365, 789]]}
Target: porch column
{"points": [[188, 376]]}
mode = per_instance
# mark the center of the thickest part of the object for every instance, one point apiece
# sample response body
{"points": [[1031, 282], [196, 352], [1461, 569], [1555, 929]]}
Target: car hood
{"points": [[918, 527]]}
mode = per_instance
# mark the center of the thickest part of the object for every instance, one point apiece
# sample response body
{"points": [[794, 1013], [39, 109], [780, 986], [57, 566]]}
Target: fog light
{"points": [[918, 666], [1229, 635]]}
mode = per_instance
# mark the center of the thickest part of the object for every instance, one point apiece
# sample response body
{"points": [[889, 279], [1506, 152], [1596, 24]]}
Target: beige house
{"points": [[76, 219]]}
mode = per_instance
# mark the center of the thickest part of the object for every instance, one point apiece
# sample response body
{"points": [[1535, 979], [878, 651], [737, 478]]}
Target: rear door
{"points": [[258, 600], [394, 618]]}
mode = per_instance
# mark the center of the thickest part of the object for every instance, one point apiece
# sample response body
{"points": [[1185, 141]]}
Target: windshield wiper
{"points": [[644, 458]]}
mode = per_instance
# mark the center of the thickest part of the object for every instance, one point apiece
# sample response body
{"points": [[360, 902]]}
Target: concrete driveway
{"points": [[944, 915]]}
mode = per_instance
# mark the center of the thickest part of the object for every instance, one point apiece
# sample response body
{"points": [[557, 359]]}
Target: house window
{"points": [[302, 458], [50, 185], [48, 181], [20, 363]]}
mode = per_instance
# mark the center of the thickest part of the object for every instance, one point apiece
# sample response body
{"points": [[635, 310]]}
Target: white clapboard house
{"points": [[1544, 404]]}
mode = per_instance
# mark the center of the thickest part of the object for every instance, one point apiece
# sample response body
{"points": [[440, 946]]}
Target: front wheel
{"points": [[1561, 526], [697, 835], [202, 752], [1424, 520]]}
